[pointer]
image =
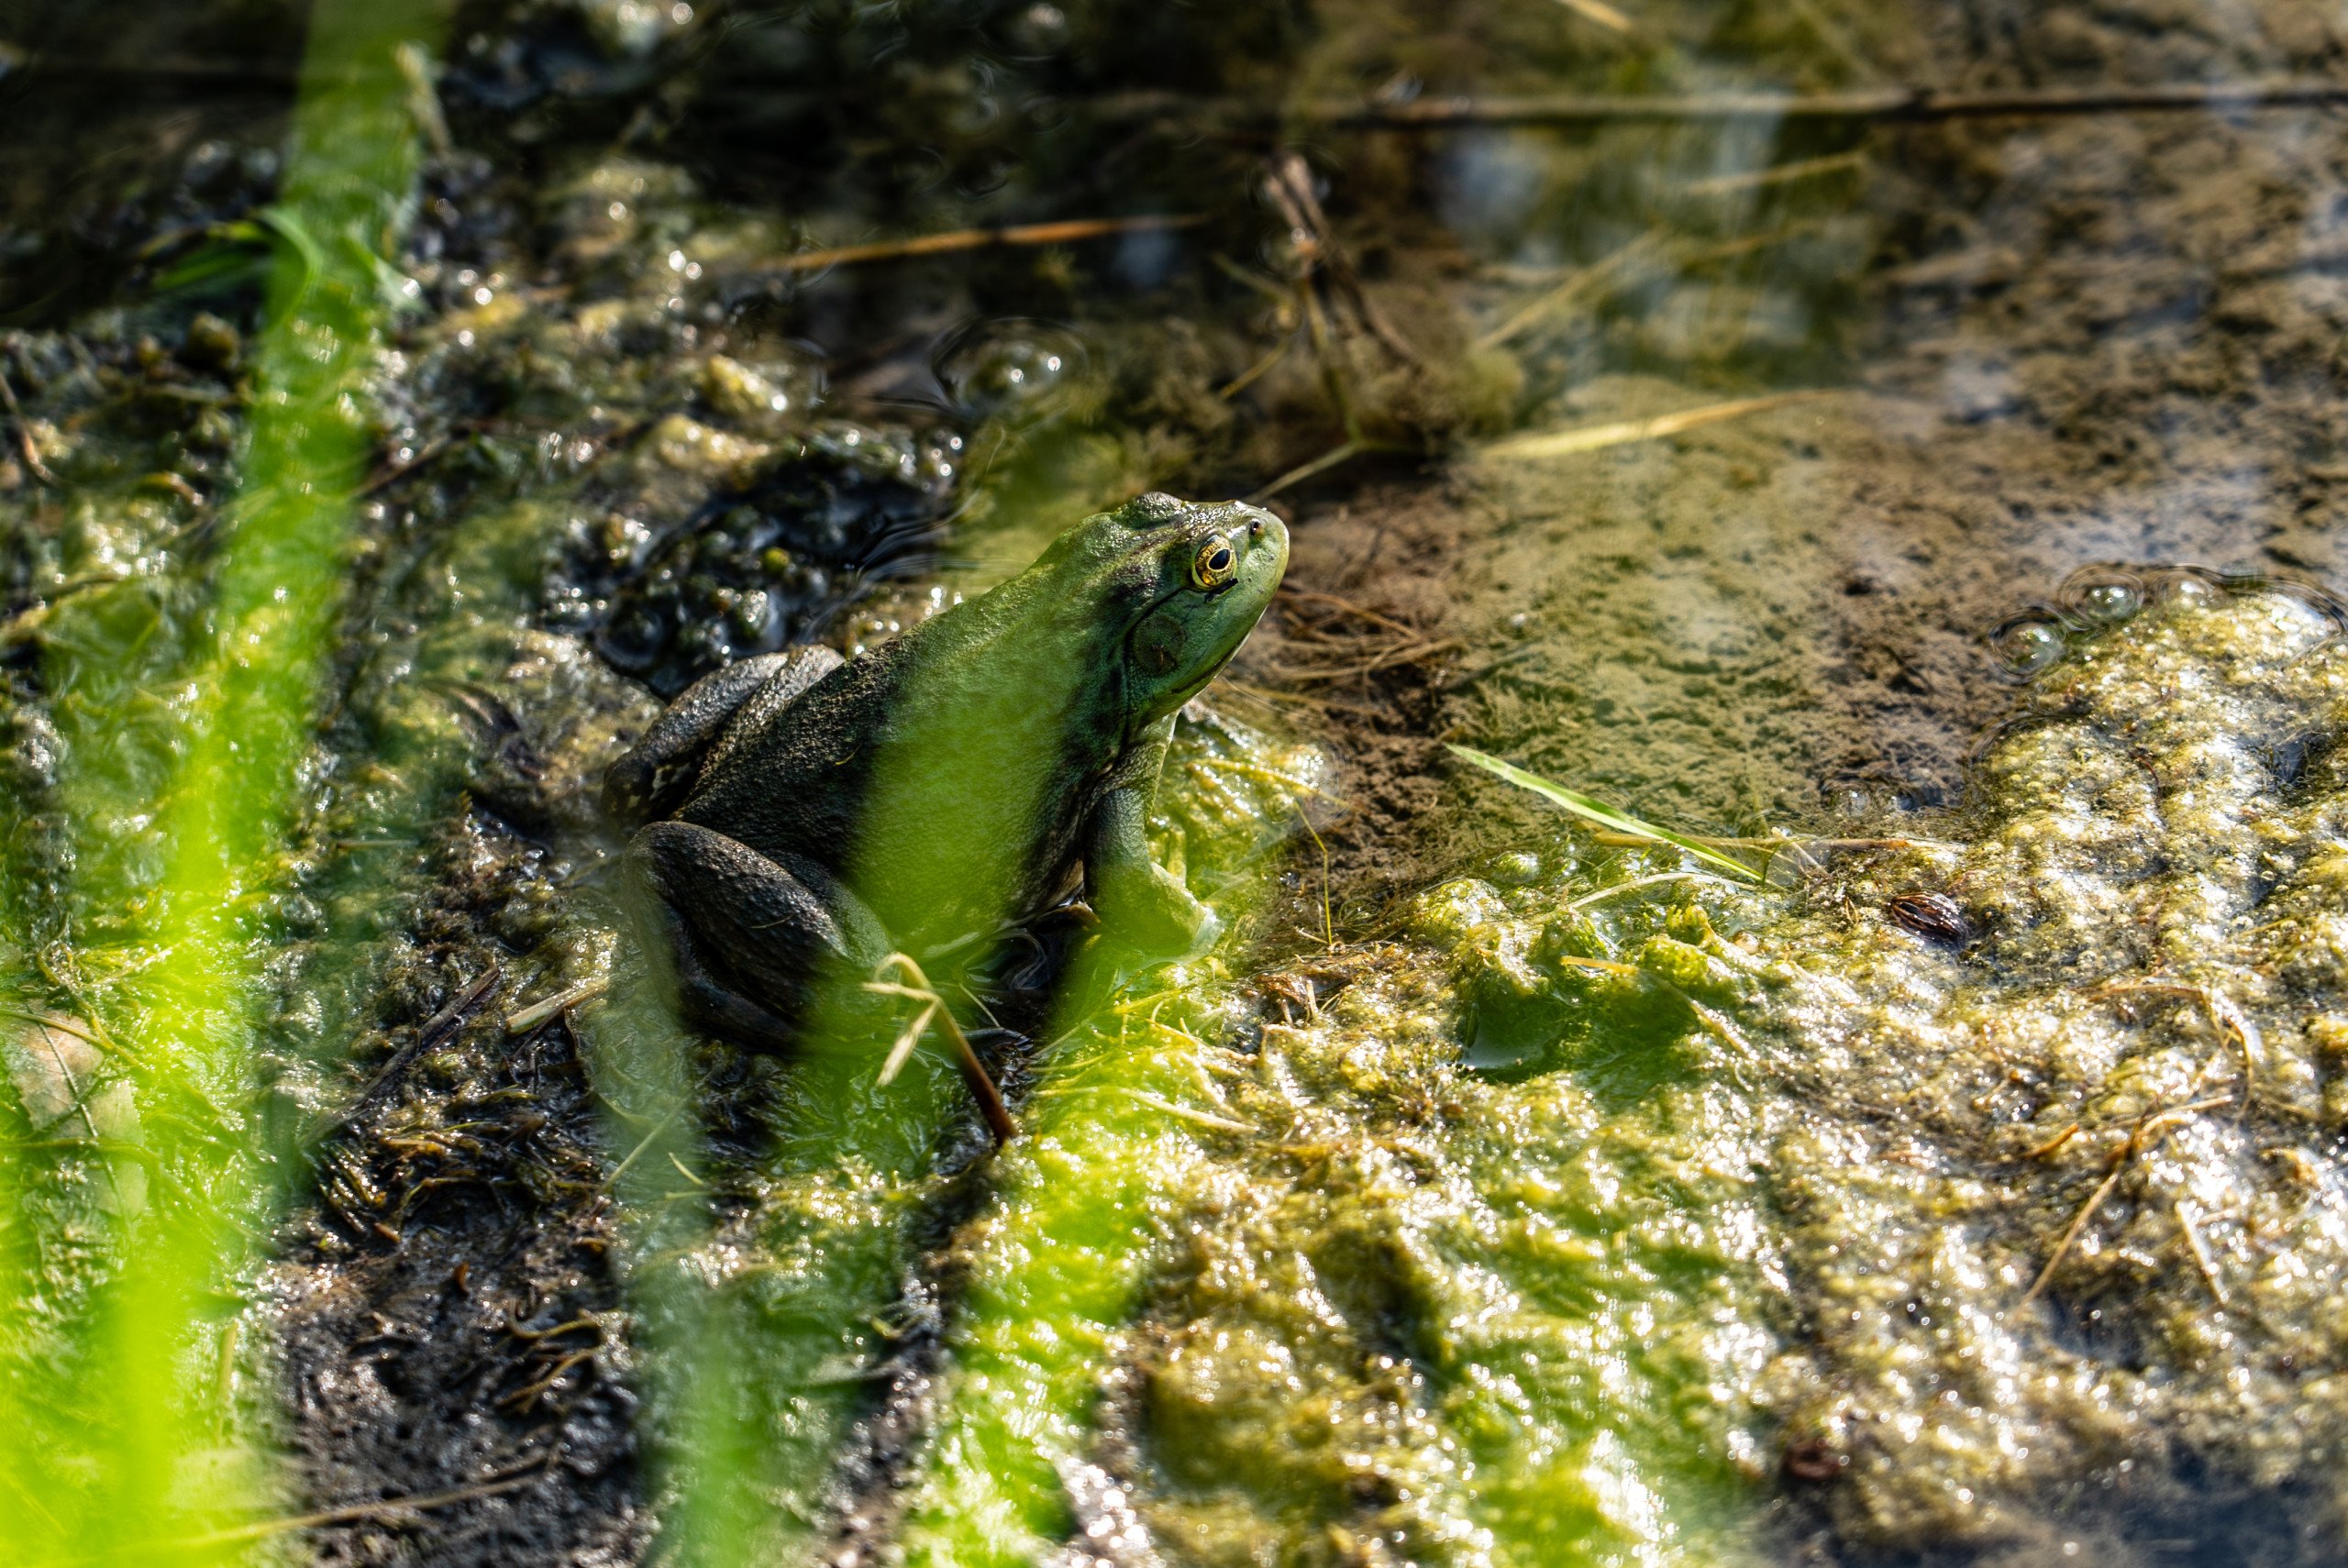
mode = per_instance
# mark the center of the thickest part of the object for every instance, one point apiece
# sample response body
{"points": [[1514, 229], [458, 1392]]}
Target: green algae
{"points": [[1079, 1210], [1944, 1227]]}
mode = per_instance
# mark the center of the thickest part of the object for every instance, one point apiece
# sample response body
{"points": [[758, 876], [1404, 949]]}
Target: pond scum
{"points": [[1601, 1210]]}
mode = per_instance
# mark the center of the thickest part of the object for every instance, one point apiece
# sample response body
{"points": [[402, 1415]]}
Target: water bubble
{"points": [[2111, 601], [2028, 645], [1039, 31], [2188, 589], [1514, 869], [2103, 596], [1008, 368]]}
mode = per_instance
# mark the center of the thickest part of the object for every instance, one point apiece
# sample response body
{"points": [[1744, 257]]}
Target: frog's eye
{"points": [[1215, 564]]}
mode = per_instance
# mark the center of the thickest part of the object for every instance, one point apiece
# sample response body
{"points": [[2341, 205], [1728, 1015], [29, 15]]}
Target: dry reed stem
{"points": [[974, 1072], [964, 239], [1627, 432], [389, 1509], [1597, 11], [2227, 1019], [2150, 1127], [1910, 104]]}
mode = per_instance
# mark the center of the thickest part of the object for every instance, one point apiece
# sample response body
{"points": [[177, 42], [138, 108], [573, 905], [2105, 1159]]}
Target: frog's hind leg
{"points": [[654, 777], [750, 940]]}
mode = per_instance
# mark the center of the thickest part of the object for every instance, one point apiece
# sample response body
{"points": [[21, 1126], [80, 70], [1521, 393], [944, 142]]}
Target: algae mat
{"points": [[1972, 1183]]}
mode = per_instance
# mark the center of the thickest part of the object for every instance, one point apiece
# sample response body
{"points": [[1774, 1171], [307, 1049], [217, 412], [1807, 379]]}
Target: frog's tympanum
{"points": [[801, 816]]}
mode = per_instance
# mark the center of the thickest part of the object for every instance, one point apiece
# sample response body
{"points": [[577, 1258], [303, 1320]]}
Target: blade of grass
{"points": [[106, 1382], [1604, 815]]}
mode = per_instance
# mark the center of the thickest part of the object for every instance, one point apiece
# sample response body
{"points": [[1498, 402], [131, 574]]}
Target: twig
{"points": [[1607, 892], [1273, 776], [983, 239], [902, 1052], [1302, 700], [1259, 370], [423, 96], [1863, 104], [2150, 1129], [1320, 464], [355, 1513], [1289, 186], [2040, 1151], [390, 474], [1598, 965], [1775, 174], [1581, 281], [1204, 1119], [2201, 1259], [1350, 608], [441, 1026], [1624, 432], [1328, 926], [1407, 653], [2224, 1017], [2078, 1222], [974, 1072], [524, 1020], [658, 1127]]}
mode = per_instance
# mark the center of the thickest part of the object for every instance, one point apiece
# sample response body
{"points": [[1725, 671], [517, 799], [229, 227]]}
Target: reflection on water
{"points": [[717, 327]]}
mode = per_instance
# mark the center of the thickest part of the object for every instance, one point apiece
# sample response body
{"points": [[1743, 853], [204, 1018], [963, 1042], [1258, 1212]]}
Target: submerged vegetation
{"points": [[1923, 1146]]}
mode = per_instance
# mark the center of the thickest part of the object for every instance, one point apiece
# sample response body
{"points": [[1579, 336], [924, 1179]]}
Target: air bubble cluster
{"points": [[2094, 600]]}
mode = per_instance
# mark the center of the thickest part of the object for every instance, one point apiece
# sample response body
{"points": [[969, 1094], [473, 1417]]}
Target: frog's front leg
{"points": [[1140, 902], [656, 775], [749, 939]]}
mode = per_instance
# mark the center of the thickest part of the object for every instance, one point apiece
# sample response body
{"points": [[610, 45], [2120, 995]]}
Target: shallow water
{"points": [[1737, 468]]}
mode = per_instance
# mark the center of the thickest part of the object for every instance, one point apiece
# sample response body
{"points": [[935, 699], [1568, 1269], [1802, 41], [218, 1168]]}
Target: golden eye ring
{"points": [[1216, 563]]}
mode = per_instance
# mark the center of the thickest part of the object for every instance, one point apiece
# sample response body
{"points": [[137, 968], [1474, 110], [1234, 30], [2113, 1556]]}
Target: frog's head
{"points": [[1177, 584]]}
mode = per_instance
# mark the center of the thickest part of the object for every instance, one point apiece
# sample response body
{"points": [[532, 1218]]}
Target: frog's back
{"points": [[788, 780], [940, 774]]}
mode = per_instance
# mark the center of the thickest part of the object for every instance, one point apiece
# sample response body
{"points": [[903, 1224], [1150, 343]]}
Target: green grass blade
{"points": [[1604, 815]]}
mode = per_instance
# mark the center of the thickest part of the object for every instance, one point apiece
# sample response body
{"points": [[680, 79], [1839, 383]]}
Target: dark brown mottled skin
{"points": [[798, 815]]}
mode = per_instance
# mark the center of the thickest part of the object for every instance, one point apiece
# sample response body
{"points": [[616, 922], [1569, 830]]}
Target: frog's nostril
{"points": [[1256, 528]]}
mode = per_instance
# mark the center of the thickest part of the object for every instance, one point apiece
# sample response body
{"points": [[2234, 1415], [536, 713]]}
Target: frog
{"points": [[799, 817]]}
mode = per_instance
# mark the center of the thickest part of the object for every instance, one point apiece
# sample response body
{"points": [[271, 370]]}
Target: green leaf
{"points": [[230, 255], [1602, 813]]}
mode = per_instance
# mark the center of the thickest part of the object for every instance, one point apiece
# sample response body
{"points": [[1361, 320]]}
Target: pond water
{"points": [[1895, 450]]}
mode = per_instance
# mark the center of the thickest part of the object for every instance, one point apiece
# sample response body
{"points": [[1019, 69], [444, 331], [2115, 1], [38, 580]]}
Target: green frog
{"points": [[799, 816]]}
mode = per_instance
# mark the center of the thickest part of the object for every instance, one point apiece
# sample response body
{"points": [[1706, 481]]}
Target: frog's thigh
{"points": [[749, 937]]}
